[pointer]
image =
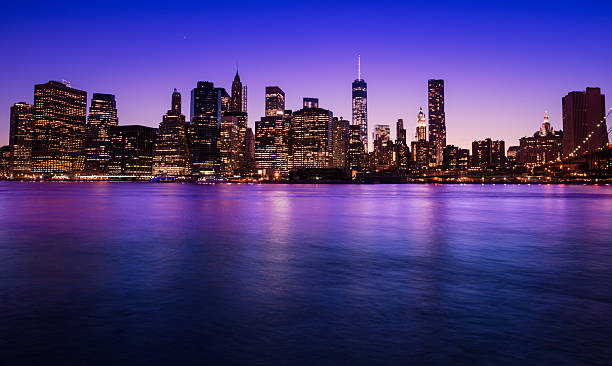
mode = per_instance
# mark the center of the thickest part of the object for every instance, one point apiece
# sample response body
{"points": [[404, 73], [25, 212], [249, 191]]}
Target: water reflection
{"points": [[434, 274]]}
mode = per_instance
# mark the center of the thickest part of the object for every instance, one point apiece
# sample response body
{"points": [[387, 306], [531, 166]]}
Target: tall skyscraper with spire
{"points": [[236, 102], [421, 129], [360, 105], [437, 120]]}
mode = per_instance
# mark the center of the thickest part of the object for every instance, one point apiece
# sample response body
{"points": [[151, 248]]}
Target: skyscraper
{"points": [[102, 116], [275, 101], [437, 120], [356, 153], [59, 127], [236, 102], [360, 105], [582, 113], [311, 136], [340, 143], [421, 147], [230, 151], [402, 152], [206, 110], [268, 132], [131, 150], [488, 154], [421, 129], [20, 139], [383, 146], [172, 152]]}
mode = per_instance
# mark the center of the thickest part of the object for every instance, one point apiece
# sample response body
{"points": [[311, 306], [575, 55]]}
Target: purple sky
{"points": [[503, 64]]}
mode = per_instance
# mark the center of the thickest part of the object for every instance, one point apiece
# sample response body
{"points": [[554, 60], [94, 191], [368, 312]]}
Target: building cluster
{"points": [[56, 137]]}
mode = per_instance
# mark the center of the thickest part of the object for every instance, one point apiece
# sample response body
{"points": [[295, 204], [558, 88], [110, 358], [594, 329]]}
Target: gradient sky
{"points": [[504, 62]]}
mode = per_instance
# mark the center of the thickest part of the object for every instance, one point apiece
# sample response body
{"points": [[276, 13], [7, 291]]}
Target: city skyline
{"points": [[494, 86]]}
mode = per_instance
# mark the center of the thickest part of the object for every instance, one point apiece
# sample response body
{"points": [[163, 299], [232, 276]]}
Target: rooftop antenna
{"points": [[358, 67]]}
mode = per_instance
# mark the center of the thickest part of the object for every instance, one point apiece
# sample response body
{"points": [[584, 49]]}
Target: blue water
{"points": [[139, 273]]}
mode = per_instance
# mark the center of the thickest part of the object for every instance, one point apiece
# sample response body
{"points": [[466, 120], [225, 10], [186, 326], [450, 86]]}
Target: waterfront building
{"points": [[20, 139], [231, 150], [543, 147], [102, 117], [384, 151], [172, 153], [356, 152], [360, 105], [437, 120], [249, 151], [455, 158], [340, 143], [5, 162], [584, 126], [488, 154], [420, 148], [207, 106], [59, 128], [402, 152], [131, 150], [311, 131]]}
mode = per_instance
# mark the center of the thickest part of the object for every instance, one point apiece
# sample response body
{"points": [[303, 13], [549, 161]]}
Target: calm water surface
{"points": [[128, 273]]}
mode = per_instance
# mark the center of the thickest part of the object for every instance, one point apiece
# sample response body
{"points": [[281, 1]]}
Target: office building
{"points": [[172, 153], [488, 154], [275, 101], [340, 143], [455, 158], [311, 131], [543, 147], [437, 121], [360, 105], [131, 151], [402, 152], [584, 126], [59, 128], [207, 107], [102, 116], [231, 150], [20, 139]]}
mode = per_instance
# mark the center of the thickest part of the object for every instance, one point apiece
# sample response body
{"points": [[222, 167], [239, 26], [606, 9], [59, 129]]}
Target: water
{"points": [[129, 273]]}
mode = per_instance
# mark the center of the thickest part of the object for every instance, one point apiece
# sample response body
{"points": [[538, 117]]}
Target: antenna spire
{"points": [[358, 67]]}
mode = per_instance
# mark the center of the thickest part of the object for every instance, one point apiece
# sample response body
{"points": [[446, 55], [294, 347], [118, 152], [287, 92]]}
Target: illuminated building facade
{"points": [[59, 128], [437, 120], [402, 152], [360, 105], [5, 162], [231, 150], [267, 135], [340, 143], [384, 151], [421, 148], [172, 152], [311, 131], [455, 158], [583, 115], [207, 107], [131, 150], [102, 116], [543, 147], [356, 152], [20, 139], [488, 154], [275, 101]]}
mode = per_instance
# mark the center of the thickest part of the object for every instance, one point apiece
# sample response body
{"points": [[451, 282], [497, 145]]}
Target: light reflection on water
{"points": [[305, 274]]}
